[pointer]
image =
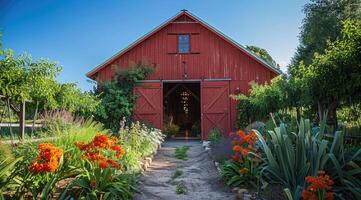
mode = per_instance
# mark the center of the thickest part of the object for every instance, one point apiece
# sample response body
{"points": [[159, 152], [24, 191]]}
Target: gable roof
{"points": [[204, 24]]}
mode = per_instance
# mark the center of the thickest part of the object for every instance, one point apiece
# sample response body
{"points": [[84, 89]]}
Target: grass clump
{"points": [[175, 175], [181, 152], [181, 189]]}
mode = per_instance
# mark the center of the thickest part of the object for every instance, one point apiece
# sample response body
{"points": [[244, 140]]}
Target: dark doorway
{"points": [[182, 110]]}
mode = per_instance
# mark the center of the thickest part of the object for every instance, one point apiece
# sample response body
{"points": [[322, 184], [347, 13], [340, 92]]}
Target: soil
{"points": [[200, 176]]}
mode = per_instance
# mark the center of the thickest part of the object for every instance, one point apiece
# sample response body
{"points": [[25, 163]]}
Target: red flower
{"points": [[317, 186], [93, 184]]}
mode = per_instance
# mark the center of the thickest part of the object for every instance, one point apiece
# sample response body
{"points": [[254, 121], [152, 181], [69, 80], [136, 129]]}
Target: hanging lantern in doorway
{"points": [[184, 101]]}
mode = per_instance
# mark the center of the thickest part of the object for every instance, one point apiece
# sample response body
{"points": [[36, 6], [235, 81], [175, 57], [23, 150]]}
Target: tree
{"points": [[262, 53], [23, 79], [322, 24], [70, 98], [334, 77]]}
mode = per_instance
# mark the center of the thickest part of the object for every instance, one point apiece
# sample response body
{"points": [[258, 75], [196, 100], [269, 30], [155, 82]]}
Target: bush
{"points": [[117, 96], [171, 129], [215, 135], [139, 142], [243, 169], [290, 158]]}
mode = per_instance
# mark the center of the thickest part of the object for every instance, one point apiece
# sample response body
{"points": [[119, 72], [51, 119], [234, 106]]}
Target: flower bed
{"points": [[84, 161], [306, 165]]}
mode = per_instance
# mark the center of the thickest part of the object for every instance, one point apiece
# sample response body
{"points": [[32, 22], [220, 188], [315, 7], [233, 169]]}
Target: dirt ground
{"points": [[200, 176]]}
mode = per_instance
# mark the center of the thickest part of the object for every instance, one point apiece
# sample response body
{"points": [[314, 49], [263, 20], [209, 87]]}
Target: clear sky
{"points": [[81, 34]]}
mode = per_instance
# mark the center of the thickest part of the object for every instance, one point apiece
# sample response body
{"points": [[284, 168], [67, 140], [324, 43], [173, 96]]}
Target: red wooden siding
{"points": [[149, 105], [211, 56], [215, 107]]}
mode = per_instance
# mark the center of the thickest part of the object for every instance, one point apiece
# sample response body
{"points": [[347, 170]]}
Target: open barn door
{"points": [[215, 107], [149, 105]]}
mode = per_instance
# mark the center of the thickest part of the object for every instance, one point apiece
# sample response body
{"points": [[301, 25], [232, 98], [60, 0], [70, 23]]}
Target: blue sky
{"points": [[80, 34]]}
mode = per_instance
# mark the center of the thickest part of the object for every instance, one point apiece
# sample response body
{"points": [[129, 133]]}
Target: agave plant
{"points": [[290, 157]]}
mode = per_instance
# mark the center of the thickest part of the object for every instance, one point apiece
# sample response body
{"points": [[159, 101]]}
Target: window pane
{"points": [[183, 43]]}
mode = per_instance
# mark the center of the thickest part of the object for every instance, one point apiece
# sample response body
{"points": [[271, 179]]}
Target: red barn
{"points": [[197, 69]]}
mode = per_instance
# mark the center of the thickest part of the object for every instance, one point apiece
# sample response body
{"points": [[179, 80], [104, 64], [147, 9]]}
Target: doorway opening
{"points": [[182, 110]]}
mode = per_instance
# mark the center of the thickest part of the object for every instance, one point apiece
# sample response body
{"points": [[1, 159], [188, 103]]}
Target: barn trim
{"points": [[197, 19]]}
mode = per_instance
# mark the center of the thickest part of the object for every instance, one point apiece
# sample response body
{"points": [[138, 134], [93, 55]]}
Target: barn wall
{"points": [[211, 57]]}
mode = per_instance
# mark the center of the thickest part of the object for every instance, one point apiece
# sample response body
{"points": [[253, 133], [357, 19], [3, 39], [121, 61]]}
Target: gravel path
{"points": [[200, 176]]}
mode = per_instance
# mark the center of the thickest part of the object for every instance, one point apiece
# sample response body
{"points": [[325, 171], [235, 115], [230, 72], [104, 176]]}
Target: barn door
{"points": [[149, 105], [215, 107]]}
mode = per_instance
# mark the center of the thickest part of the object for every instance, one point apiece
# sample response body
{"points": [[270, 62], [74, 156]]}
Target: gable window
{"points": [[183, 43]]}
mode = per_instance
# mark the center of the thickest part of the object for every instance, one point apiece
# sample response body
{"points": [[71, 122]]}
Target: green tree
{"points": [[334, 79], [69, 97], [322, 24], [262, 53], [22, 78]]}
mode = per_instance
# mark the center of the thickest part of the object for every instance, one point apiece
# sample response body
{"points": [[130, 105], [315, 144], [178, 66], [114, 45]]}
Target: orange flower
{"points": [[103, 164], [93, 150], [237, 148], [318, 184], [47, 159]]}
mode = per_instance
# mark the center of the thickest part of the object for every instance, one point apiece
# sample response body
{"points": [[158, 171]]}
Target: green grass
{"points": [[181, 152], [181, 189], [177, 173]]}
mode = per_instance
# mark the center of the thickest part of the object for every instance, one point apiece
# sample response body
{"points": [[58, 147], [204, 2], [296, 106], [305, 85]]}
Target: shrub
{"points": [[244, 168], [215, 135], [5, 152], [117, 96], [101, 176], [290, 158], [139, 142], [181, 152], [171, 129]]}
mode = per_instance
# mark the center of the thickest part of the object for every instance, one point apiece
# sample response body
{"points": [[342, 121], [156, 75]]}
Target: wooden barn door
{"points": [[149, 105], [215, 107]]}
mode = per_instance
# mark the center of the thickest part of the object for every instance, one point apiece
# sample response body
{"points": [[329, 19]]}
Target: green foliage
{"points": [[5, 152], [70, 98], [181, 152], [24, 182], [322, 23], [281, 93], [181, 189], [7, 171], [171, 129], [117, 97], [290, 157], [96, 183], [215, 135], [138, 142], [262, 53], [177, 173], [230, 173], [21, 78]]}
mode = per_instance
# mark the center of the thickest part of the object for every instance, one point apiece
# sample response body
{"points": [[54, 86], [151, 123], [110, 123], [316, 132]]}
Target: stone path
{"points": [[200, 176]]}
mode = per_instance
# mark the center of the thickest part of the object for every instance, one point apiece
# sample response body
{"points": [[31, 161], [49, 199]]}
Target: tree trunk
{"points": [[22, 120], [2, 116], [35, 116], [298, 111], [332, 116], [320, 111], [9, 114]]}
